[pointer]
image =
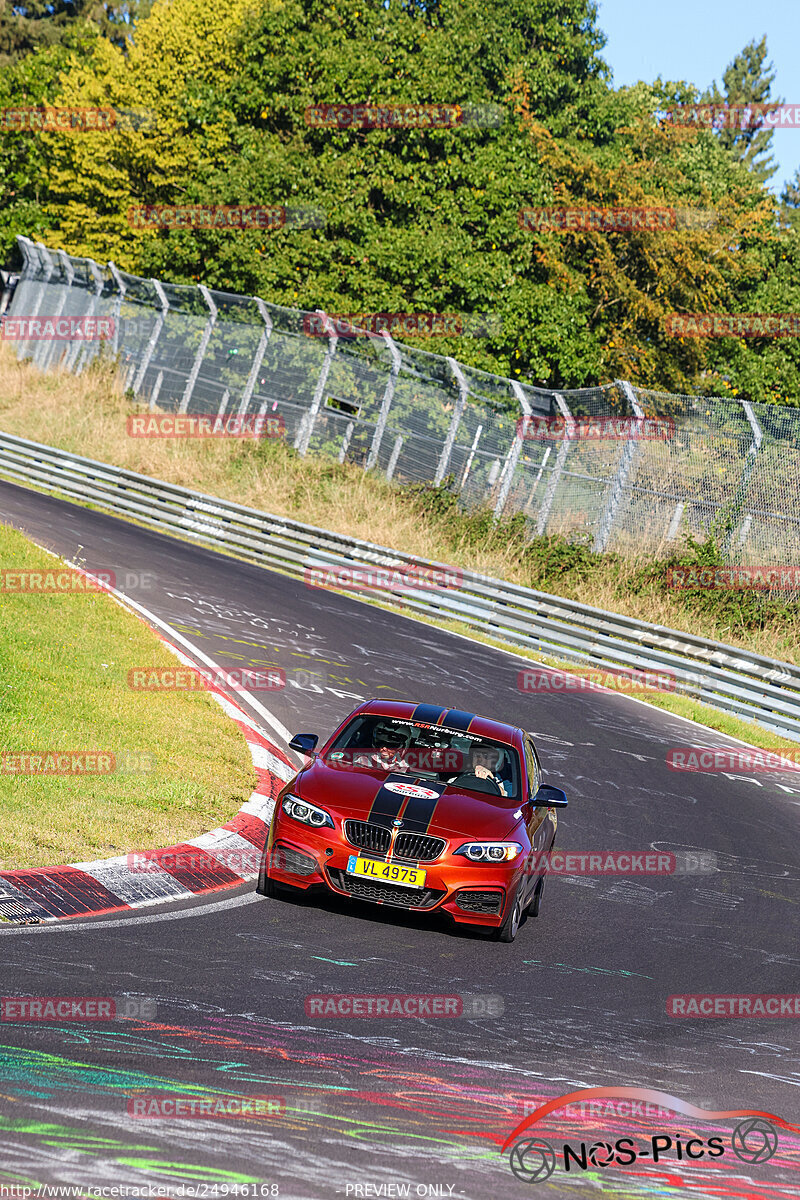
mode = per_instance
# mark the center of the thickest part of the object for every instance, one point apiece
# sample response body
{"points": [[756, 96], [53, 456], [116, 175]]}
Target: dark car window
{"points": [[374, 742]]}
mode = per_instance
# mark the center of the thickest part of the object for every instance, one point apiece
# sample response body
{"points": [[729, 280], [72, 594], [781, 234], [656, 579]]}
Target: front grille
{"points": [[480, 902], [418, 846], [367, 837], [385, 893], [285, 858]]}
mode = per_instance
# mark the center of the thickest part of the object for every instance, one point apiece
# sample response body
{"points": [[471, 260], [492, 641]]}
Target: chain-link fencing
{"points": [[709, 466]]}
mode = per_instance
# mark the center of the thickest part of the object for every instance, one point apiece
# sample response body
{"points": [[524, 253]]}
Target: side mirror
{"points": [[550, 797], [304, 743]]}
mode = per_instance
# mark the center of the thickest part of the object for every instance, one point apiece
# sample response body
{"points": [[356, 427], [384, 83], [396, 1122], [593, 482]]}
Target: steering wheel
{"points": [[476, 783]]}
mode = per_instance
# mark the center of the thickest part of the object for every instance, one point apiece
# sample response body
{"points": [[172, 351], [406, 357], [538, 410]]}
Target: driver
{"points": [[485, 762], [389, 752]]}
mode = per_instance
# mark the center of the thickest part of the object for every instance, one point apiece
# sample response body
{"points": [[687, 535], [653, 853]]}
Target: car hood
{"points": [[366, 794]]}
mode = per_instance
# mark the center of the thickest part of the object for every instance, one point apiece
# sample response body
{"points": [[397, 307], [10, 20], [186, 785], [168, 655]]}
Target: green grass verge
{"points": [[64, 659]]}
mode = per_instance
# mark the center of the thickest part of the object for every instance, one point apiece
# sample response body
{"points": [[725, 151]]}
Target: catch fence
{"points": [[715, 465]]}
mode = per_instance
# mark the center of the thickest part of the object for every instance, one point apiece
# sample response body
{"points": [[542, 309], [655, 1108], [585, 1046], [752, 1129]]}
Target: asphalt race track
{"points": [[369, 1106]]}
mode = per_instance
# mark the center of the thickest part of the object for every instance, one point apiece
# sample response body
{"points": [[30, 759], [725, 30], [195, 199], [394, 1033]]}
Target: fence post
{"points": [[348, 433], [156, 389], [507, 478], [674, 524], [557, 471], [48, 266], [201, 349], [261, 349], [307, 426], [386, 402], [455, 421], [470, 457], [627, 459], [122, 287], [49, 351], [81, 361], [737, 504], [396, 448], [153, 339]]}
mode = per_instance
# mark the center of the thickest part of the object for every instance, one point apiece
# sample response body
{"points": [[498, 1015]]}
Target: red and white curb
{"points": [[223, 858]]}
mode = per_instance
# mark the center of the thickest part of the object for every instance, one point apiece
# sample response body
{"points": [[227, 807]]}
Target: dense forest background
{"points": [[415, 220]]}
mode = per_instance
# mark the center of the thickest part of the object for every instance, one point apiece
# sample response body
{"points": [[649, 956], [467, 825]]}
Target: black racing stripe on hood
{"points": [[387, 804], [454, 718], [419, 811], [429, 713]]}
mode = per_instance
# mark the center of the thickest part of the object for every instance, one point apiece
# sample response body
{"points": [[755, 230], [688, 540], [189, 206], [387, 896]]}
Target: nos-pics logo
{"points": [[534, 1159]]}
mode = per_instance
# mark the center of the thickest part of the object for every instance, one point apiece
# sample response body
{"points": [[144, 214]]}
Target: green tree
{"points": [[41, 24], [747, 80]]}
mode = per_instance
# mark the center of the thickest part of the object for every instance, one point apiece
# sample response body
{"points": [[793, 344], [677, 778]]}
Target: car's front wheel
{"points": [[508, 930], [266, 886], [536, 899]]}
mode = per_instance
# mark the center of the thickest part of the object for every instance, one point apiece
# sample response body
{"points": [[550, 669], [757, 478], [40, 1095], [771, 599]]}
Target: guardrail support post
{"points": [[348, 433], [624, 469], [737, 504], [261, 349], [674, 524], [386, 403], [745, 530], [470, 457], [156, 390], [49, 350], [48, 266], [458, 412], [152, 340], [201, 349], [121, 287], [81, 361], [396, 448], [303, 439], [557, 471], [514, 452]]}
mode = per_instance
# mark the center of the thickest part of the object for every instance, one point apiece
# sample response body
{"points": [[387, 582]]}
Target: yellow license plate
{"points": [[387, 872]]}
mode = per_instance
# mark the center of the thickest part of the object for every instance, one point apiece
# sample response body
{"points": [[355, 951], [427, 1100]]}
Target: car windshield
{"points": [[391, 744]]}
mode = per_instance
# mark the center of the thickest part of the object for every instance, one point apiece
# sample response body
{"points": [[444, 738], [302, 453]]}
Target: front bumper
{"points": [[474, 895]]}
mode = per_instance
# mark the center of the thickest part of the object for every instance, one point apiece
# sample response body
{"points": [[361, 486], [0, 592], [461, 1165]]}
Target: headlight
{"points": [[490, 852], [309, 814]]}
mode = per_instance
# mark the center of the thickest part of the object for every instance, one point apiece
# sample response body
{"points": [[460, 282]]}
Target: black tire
{"points": [[510, 927], [536, 898], [266, 886]]}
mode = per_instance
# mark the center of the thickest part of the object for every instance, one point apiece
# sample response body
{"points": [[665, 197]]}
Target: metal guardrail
{"points": [[737, 681]]}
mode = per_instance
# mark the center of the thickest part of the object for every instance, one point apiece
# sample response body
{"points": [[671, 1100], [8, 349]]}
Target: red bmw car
{"points": [[418, 807]]}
